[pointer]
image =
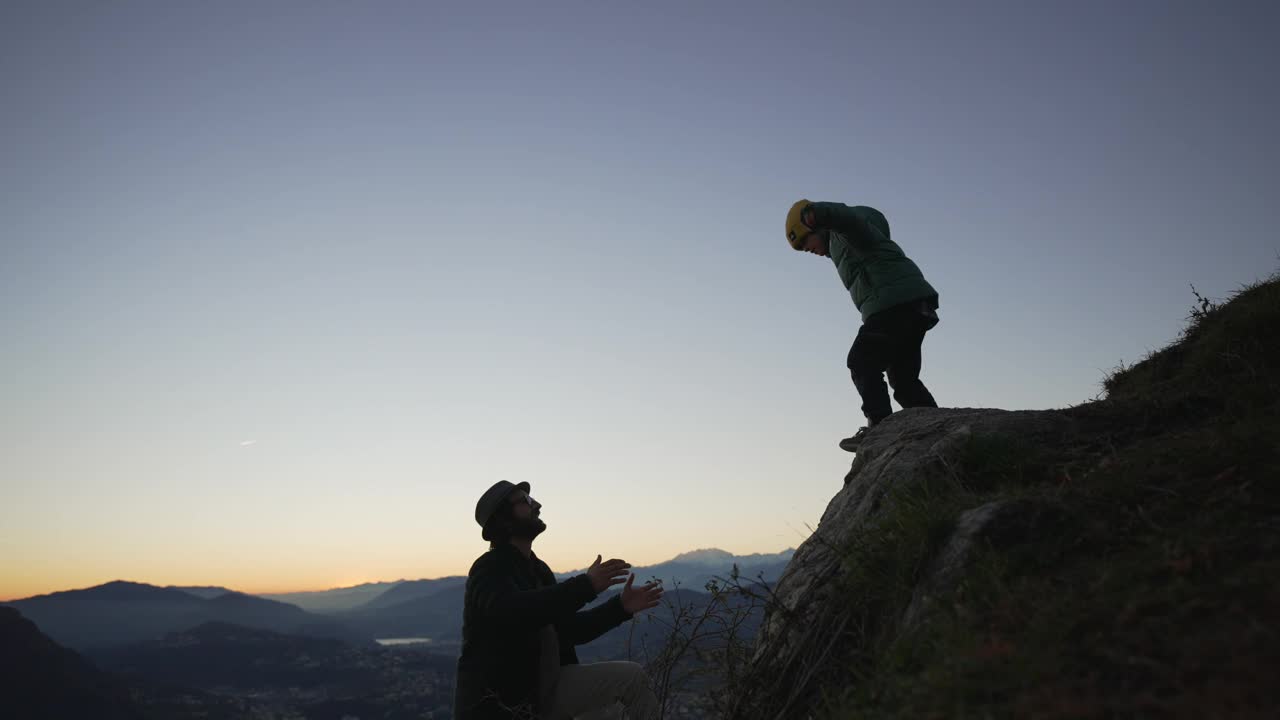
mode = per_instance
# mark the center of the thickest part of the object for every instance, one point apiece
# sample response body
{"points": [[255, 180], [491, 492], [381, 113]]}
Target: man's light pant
{"points": [[594, 691]]}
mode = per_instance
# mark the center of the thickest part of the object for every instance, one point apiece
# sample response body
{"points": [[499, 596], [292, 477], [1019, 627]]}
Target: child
{"points": [[898, 305]]}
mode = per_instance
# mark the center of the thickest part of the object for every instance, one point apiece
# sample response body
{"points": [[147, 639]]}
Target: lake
{"points": [[403, 641]]}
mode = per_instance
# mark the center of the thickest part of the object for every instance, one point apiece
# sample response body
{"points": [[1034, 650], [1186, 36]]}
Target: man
{"points": [[898, 305], [519, 626]]}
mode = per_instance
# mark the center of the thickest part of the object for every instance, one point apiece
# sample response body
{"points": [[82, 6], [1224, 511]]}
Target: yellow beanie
{"points": [[796, 229]]}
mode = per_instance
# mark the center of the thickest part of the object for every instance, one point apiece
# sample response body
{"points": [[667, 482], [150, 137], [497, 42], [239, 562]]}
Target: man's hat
{"points": [[493, 499]]}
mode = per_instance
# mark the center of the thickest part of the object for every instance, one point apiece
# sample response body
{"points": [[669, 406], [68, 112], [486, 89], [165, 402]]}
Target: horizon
{"points": [[284, 288], [177, 586]]}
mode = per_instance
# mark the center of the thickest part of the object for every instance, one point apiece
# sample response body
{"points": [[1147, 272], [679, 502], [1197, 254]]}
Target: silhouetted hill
{"points": [[205, 591], [238, 607], [40, 679], [120, 613], [437, 616], [111, 613], [121, 591], [333, 600], [411, 590]]}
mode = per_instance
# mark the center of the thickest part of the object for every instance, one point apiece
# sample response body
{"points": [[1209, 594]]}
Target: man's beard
{"points": [[527, 528]]}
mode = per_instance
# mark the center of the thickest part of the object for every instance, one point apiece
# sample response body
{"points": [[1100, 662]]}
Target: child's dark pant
{"points": [[890, 341]]}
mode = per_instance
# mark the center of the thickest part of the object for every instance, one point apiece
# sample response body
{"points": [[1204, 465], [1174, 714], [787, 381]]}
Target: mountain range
{"points": [[127, 613], [214, 653], [694, 569], [119, 612], [336, 599], [690, 569]]}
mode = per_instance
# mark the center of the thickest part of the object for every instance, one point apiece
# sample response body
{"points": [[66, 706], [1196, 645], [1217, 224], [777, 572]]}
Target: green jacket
{"points": [[873, 268]]}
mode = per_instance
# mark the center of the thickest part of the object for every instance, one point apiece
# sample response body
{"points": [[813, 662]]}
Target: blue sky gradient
{"points": [[284, 286]]}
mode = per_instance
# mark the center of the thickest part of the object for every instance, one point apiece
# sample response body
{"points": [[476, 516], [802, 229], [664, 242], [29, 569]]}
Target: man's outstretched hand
{"points": [[635, 599], [606, 575]]}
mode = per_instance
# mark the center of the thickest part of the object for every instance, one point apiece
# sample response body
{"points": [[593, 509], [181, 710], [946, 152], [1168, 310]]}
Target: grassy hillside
{"points": [[1141, 577]]}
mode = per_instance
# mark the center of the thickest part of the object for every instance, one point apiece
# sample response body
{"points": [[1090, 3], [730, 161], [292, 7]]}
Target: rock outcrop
{"points": [[912, 451], [1115, 559]]}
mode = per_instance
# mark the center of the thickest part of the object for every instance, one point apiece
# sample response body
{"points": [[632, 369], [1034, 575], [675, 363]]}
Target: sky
{"points": [[285, 286]]}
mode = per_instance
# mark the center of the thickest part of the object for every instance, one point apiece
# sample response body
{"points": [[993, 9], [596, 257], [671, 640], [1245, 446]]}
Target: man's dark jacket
{"points": [[509, 600]]}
